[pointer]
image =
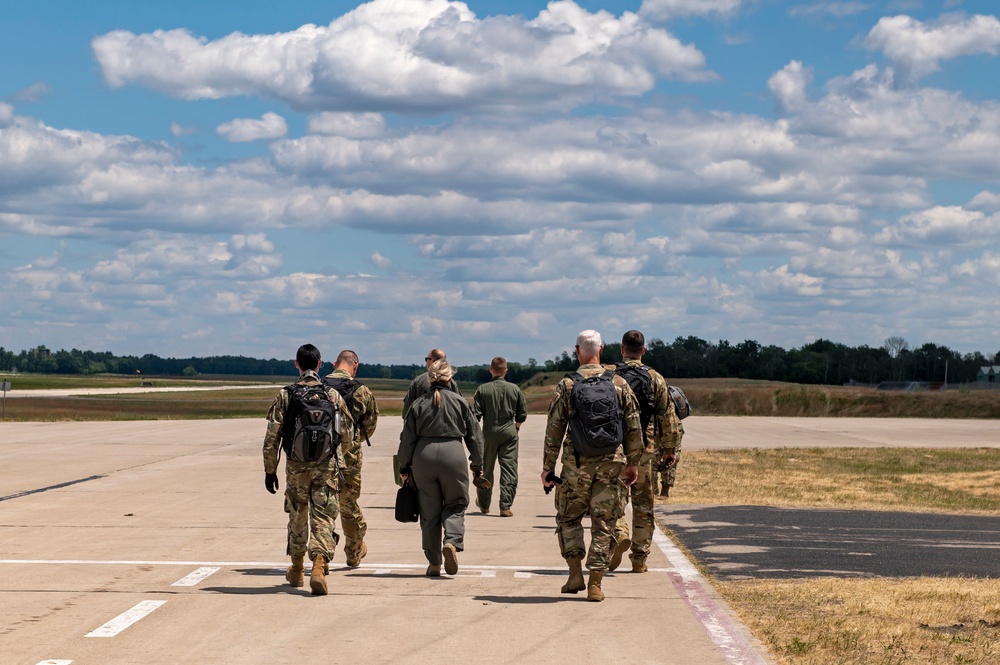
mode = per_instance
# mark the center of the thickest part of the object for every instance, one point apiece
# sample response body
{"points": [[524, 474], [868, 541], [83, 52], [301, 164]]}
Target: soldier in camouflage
{"points": [[365, 413], [662, 447], [311, 488], [594, 485]]}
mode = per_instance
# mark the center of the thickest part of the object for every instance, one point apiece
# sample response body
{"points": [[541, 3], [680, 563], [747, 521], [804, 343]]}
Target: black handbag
{"points": [[407, 504]]}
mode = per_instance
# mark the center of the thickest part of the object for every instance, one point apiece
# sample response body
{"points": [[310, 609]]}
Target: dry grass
{"points": [[745, 397], [929, 480], [871, 622], [834, 621]]}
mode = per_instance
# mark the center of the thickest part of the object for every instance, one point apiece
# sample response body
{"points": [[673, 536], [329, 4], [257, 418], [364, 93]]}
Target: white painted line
{"points": [[521, 575], [383, 571], [126, 619], [193, 578], [700, 598], [279, 566], [55, 662]]}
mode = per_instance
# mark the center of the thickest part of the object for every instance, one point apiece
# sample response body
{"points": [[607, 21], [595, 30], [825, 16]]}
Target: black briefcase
{"points": [[407, 504]]}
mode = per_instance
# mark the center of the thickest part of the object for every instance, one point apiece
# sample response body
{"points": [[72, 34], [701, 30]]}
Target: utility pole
{"points": [[945, 374]]}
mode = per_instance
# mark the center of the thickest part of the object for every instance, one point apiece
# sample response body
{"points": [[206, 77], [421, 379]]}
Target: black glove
{"points": [[271, 482], [552, 478]]}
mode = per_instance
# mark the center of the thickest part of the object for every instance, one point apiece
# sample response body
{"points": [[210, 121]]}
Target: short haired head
{"points": [[633, 343], [433, 355], [498, 365], [347, 357], [589, 343], [308, 357]]}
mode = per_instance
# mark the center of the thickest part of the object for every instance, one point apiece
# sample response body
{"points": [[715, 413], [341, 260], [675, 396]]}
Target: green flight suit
{"points": [[499, 404]]}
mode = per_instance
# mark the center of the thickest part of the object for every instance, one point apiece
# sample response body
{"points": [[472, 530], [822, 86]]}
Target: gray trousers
{"points": [[441, 474]]}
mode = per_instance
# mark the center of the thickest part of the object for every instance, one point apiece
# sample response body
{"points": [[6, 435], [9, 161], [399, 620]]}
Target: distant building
{"points": [[988, 377]]}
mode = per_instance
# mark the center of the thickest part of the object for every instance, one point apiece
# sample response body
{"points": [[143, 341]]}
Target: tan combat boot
{"points": [[317, 580], [616, 556], [639, 565], [355, 561], [450, 555], [575, 582], [594, 593], [296, 572]]}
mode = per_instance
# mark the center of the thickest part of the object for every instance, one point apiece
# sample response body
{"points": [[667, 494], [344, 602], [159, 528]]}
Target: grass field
{"points": [[730, 397], [859, 621]]}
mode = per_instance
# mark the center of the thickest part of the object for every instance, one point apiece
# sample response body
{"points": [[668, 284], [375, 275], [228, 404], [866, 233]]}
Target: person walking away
{"points": [[661, 434], [594, 420], [501, 407], [364, 412], [422, 385], [431, 452], [305, 421]]}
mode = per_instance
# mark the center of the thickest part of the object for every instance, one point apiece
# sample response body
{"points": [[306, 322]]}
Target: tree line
{"points": [[819, 362]]}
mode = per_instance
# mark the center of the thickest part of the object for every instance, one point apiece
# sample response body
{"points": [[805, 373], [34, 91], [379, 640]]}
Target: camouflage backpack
{"points": [[347, 388], [311, 427], [595, 417]]}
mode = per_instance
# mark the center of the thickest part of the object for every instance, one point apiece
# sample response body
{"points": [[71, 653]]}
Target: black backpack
{"points": [[311, 427], [595, 417], [347, 388], [641, 382]]}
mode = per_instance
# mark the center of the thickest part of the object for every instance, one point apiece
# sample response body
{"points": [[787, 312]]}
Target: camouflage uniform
{"points": [[311, 488], [351, 518], [594, 485], [499, 405], [663, 437], [421, 386]]}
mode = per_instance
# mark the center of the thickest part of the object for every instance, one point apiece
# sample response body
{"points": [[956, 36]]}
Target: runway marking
{"points": [[700, 598], [126, 619], [193, 578], [278, 567], [55, 662]]}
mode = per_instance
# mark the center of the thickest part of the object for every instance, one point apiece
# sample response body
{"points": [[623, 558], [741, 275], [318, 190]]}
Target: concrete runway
{"points": [[155, 542]]}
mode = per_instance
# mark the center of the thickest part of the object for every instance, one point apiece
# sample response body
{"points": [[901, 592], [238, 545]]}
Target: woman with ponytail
{"points": [[432, 456]]}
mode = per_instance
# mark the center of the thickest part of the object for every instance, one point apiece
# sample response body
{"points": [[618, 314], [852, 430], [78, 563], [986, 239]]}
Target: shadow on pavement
{"points": [[740, 542]]}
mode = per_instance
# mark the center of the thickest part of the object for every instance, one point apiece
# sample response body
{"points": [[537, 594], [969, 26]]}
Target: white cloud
{"points": [[941, 225], [381, 261], [669, 9], [350, 125], [917, 48], [789, 86], [838, 9], [178, 130], [35, 92], [6, 114], [432, 55], [241, 130]]}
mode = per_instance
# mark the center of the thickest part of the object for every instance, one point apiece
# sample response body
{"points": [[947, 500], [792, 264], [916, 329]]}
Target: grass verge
{"points": [[836, 621]]}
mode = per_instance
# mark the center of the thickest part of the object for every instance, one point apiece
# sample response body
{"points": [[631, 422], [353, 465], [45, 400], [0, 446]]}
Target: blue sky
{"points": [[188, 179]]}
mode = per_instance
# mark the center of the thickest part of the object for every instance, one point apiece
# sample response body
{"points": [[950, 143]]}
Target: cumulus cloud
{"points": [[242, 130], [917, 48], [350, 125], [426, 56], [789, 86], [6, 114], [381, 261]]}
